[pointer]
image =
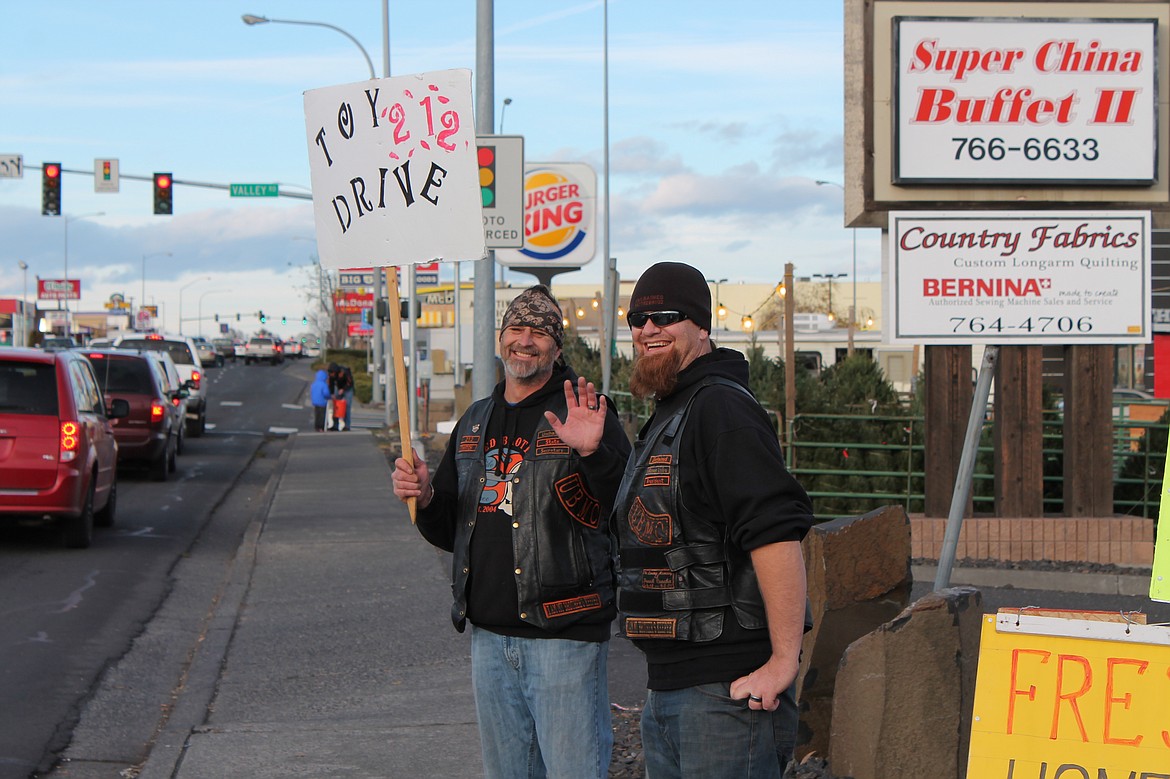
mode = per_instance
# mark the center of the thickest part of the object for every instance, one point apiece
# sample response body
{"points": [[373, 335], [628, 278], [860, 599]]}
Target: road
{"points": [[67, 615]]}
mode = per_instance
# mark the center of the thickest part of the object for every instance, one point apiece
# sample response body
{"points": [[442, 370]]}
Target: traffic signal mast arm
{"points": [[184, 182]]}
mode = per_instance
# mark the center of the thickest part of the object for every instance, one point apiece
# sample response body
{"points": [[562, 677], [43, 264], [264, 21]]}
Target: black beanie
{"points": [[674, 286]]}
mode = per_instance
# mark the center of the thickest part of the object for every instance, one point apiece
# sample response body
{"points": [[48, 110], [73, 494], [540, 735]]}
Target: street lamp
{"points": [[507, 102], [65, 221], [23, 305], [189, 283], [200, 310], [142, 300], [720, 311], [853, 314], [249, 19]]}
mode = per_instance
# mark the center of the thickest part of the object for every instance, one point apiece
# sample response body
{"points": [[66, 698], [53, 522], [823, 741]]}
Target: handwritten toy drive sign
{"points": [[394, 172], [1063, 698]]}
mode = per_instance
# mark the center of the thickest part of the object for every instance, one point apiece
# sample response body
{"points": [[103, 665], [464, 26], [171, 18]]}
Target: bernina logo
{"points": [[984, 288]]}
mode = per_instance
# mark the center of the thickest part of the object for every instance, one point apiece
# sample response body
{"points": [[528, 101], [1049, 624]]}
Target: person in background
{"points": [[527, 518], [319, 397], [341, 388], [711, 579]]}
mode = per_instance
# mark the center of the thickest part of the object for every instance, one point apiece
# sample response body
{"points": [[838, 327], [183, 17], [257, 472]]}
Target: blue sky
{"points": [[721, 118]]}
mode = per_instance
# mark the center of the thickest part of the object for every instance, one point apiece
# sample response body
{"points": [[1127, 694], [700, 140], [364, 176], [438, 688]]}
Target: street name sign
{"points": [[254, 190]]}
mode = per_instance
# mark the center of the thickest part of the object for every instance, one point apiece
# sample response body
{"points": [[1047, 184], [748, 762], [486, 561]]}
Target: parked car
{"points": [[58, 453], [149, 435], [186, 358]]}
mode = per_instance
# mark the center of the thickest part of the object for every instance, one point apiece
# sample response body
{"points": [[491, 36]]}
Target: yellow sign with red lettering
{"points": [[1160, 576], [1071, 699]]}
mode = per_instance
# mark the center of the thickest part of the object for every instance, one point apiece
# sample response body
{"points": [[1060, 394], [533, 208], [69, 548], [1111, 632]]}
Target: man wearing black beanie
{"points": [[711, 583]]}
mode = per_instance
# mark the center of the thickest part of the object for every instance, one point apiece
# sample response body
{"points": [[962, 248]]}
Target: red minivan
{"points": [[58, 456]]}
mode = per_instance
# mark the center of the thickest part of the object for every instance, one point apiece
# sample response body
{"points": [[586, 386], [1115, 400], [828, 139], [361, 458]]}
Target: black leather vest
{"points": [[678, 572], [561, 547]]}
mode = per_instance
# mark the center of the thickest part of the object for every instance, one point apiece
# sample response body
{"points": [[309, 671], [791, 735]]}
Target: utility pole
{"points": [[483, 347]]}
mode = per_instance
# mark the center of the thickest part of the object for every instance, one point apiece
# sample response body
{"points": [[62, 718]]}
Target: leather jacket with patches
{"points": [[561, 548], [678, 570]]}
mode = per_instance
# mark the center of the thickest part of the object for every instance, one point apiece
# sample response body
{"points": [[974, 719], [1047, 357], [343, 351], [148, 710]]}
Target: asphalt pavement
{"points": [[330, 651]]}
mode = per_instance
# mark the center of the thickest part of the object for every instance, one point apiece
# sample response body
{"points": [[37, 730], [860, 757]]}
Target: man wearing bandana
{"points": [[526, 518], [711, 582]]}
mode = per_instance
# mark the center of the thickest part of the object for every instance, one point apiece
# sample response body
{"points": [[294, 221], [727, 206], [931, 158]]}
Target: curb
{"points": [[1024, 579], [197, 688]]}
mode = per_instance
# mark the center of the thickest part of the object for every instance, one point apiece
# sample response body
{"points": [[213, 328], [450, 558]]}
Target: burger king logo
{"points": [[560, 202]]}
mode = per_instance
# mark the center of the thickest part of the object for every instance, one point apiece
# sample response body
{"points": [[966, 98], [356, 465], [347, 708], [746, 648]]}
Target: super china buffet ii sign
{"points": [[1000, 277], [1042, 101]]}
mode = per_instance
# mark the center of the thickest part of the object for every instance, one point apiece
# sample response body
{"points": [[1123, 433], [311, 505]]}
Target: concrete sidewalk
{"points": [[342, 660]]}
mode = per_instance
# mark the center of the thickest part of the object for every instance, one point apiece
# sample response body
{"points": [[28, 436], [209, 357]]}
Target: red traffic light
{"points": [[162, 181], [52, 170]]}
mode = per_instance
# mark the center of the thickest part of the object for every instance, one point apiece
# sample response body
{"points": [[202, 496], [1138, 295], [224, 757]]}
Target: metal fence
{"points": [[854, 463]]}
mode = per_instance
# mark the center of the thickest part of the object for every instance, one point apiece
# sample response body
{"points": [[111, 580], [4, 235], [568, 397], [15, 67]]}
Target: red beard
{"points": [[656, 376]]}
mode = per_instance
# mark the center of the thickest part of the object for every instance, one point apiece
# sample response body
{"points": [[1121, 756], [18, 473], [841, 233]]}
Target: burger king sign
{"points": [[560, 216]]}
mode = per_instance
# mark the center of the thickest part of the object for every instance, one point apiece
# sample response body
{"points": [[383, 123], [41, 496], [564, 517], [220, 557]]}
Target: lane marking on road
{"points": [[231, 403], [293, 406], [283, 430]]}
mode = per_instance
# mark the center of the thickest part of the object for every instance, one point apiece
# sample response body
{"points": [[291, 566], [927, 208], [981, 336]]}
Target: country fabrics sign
{"points": [[58, 289], [393, 167], [1026, 100], [1009, 277], [560, 214]]}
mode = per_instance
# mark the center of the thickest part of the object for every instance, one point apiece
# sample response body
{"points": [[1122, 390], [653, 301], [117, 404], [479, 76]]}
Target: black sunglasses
{"points": [[659, 318]]}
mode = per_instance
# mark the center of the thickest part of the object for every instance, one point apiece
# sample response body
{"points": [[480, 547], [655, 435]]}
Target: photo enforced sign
{"points": [[394, 173]]}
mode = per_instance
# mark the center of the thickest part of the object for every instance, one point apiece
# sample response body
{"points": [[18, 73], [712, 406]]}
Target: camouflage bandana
{"points": [[535, 307]]}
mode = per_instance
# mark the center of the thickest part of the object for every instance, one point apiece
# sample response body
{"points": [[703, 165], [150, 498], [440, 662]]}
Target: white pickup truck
{"points": [[259, 349]]}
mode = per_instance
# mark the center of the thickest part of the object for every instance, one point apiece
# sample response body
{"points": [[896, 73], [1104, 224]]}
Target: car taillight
{"points": [[196, 377], [70, 441], [157, 410]]}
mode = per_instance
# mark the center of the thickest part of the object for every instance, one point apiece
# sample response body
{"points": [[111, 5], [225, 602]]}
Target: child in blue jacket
{"points": [[319, 397]]}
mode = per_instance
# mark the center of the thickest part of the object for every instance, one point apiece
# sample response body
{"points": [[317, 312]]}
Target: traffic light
{"points": [[163, 193], [217, 317], [51, 189], [263, 318], [237, 317], [304, 320], [284, 320], [487, 175]]}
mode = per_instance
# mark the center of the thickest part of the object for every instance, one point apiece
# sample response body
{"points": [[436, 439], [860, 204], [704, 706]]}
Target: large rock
{"points": [[902, 706], [858, 579]]}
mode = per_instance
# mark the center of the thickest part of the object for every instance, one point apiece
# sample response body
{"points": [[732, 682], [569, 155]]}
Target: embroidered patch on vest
{"points": [[658, 471], [549, 443], [647, 627], [649, 528], [468, 443], [657, 579], [657, 476], [563, 608], [577, 501]]}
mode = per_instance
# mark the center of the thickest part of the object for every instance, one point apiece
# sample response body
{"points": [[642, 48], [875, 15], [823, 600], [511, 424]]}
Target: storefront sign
{"points": [[1026, 100], [999, 277]]}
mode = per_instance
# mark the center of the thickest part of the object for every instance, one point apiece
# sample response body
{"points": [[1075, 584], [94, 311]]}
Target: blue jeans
{"points": [[542, 706], [348, 408], [701, 733]]}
